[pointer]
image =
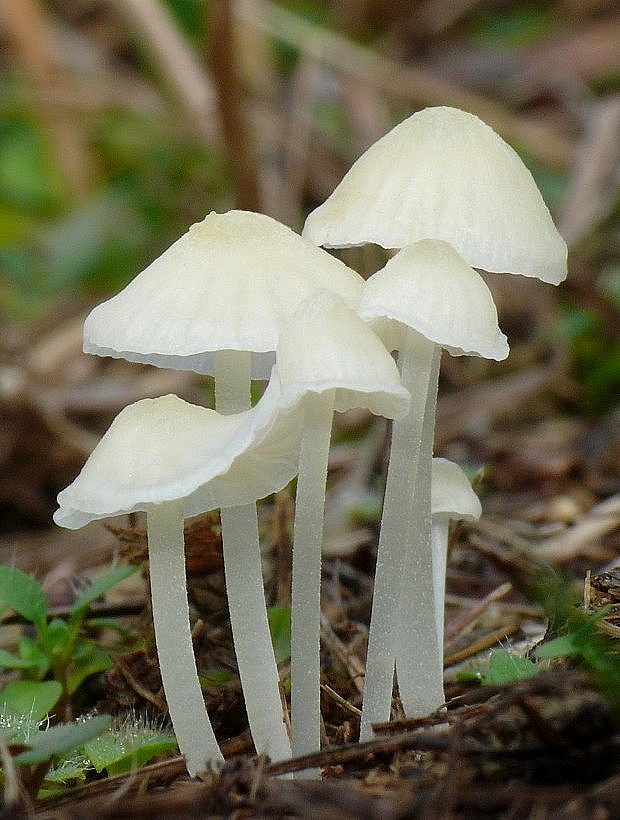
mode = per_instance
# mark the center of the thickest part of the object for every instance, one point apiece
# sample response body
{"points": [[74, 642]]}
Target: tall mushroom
{"points": [[213, 302], [452, 499], [440, 174], [425, 298], [172, 460], [327, 359]]}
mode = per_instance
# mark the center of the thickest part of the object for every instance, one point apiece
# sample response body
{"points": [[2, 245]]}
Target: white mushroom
{"points": [[222, 287], [425, 298], [327, 359], [452, 499], [441, 174], [213, 302], [174, 460], [444, 174]]}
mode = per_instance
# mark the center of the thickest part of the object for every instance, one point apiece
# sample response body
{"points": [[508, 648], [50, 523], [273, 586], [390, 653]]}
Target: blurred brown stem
{"points": [[225, 70]]}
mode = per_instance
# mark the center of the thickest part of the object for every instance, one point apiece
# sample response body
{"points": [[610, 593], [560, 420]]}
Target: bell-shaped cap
{"points": [[452, 495], [427, 286], [224, 285], [164, 449], [326, 346], [444, 174]]}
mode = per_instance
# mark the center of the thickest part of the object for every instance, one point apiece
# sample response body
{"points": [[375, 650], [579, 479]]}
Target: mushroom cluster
{"points": [[447, 192], [242, 297]]}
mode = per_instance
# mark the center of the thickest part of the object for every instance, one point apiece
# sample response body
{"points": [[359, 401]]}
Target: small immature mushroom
{"points": [[452, 499], [327, 359], [425, 298], [173, 460], [214, 302], [442, 173]]}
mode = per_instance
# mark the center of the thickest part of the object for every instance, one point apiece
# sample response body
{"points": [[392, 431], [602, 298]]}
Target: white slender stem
{"points": [[258, 670], [306, 573], [416, 361], [419, 653], [439, 540], [233, 369], [248, 617], [177, 664]]}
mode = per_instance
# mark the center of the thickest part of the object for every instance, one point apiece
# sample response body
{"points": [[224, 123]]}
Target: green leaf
{"points": [[56, 639], [140, 756], [16, 728], [10, 661], [99, 588], [214, 677], [279, 618], [66, 737], [69, 772], [128, 746], [469, 676], [504, 667], [562, 647], [31, 651], [23, 594], [36, 699], [88, 659], [579, 641]]}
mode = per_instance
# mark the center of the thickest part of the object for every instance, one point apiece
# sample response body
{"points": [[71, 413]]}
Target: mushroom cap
{"points": [[429, 287], [452, 495], [444, 174], [226, 284], [324, 346], [164, 449]]}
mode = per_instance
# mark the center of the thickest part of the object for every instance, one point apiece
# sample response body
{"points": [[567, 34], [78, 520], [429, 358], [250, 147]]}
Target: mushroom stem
{"points": [[306, 573], [248, 617], [177, 663], [258, 670], [419, 662], [232, 381], [439, 540], [419, 365]]}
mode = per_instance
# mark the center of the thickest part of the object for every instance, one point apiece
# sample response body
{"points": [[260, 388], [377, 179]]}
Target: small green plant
{"points": [[502, 667], [580, 640], [586, 645], [578, 635], [129, 743], [59, 757], [57, 659], [44, 754]]}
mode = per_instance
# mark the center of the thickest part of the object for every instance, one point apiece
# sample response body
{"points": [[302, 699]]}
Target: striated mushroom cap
{"points": [[427, 286], [165, 449], [326, 346], [226, 284], [444, 174]]}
